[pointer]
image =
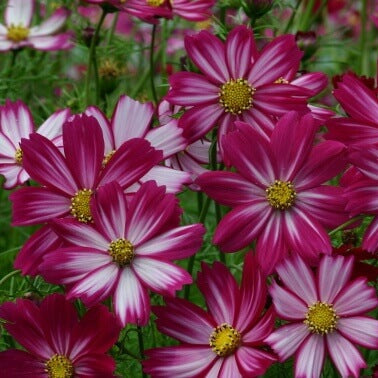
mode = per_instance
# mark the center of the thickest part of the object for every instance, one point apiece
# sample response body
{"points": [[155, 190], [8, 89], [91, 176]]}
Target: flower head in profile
{"points": [[57, 343], [277, 194], [16, 123], [128, 250], [17, 32], [326, 313], [224, 341]]}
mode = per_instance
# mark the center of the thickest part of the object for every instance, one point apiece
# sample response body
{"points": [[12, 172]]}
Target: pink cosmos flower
{"points": [[58, 344], [237, 83], [326, 314], [277, 194], [361, 104], [223, 342], [132, 119], [17, 32], [128, 250], [16, 123]]}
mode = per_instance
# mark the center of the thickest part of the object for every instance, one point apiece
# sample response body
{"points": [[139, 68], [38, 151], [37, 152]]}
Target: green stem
{"points": [[92, 57], [152, 65], [363, 61], [288, 25], [304, 22], [346, 224], [141, 344], [112, 30], [9, 275]]}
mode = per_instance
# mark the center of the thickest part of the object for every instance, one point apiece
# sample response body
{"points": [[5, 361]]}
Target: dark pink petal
{"points": [[208, 53], [261, 330], [178, 243], [95, 365], [18, 12], [184, 321], [322, 115], [34, 205], [310, 357], [130, 162], [286, 340], [189, 89], [31, 254], [287, 305], [345, 356], [253, 362], [229, 368], [199, 120], [362, 196], [131, 300], [242, 225], [305, 235], [97, 285], [221, 292], [275, 61], [355, 298], [326, 160], [109, 211], [84, 149], [240, 47], [214, 371], [325, 203], [17, 363], [370, 241], [365, 159], [197, 10], [253, 292], [229, 188], [131, 119], [255, 164], [59, 318], [179, 361], [300, 133], [149, 210], [259, 120], [314, 81], [24, 321], [298, 277], [333, 274], [160, 276], [46, 165]]}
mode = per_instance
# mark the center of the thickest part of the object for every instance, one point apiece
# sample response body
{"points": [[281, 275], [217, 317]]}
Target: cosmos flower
{"points": [[16, 123], [129, 249], [277, 194], [18, 33], [57, 343], [326, 314], [237, 83], [132, 119], [224, 341]]}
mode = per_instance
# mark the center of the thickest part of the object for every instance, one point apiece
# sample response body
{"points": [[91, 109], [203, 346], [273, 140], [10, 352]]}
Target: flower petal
{"points": [[52, 128], [253, 362], [17, 363], [51, 43], [51, 24], [261, 330], [370, 241], [96, 364], [19, 12]]}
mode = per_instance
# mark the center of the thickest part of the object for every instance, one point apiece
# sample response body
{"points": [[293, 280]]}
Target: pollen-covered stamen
{"points": [[281, 80], [18, 156], [321, 318], [122, 251], [236, 96], [281, 194], [107, 158], [59, 366], [80, 208], [155, 3], [17, 33], [224, 340]]}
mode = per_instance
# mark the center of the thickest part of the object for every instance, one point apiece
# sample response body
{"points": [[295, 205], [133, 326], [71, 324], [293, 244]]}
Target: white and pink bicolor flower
{"points": [[17, 32]]}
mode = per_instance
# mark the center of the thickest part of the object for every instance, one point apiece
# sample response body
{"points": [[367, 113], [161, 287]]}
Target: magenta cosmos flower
{"points": [[237, 82], [326, 313], [226, 340], [128, 250], [132, 119], [361, 104], [17, 32], [277, 194], [16, 123], [58, 344]]}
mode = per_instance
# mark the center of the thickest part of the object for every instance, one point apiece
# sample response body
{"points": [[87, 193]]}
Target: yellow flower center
{"points": [[155, 3], [80, 208], [122, 251], [321, 318], [107, 158], [224, 340], [236, 96], [59, 366], [18, 156], [17, 33], [281, 80], [281, 194]]}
